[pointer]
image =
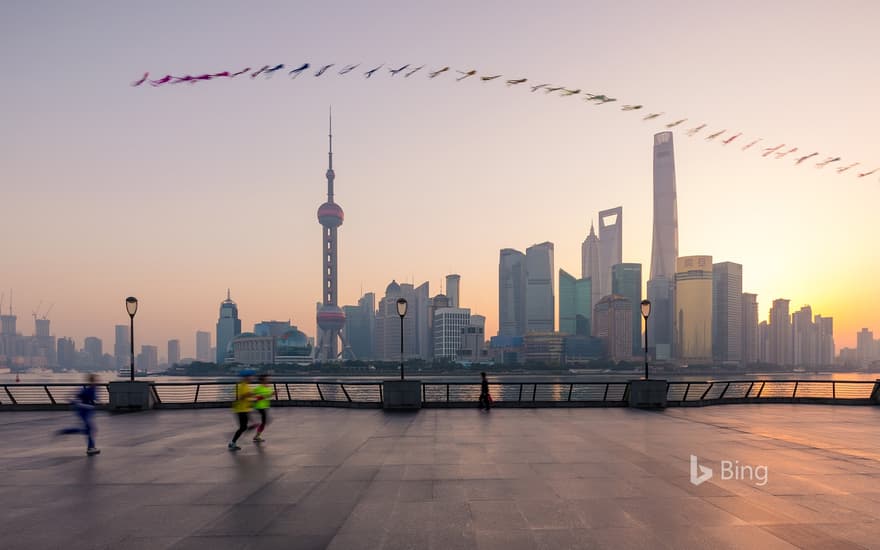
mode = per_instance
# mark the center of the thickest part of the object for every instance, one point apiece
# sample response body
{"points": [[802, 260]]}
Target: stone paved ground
{"points": [[446, 479]]}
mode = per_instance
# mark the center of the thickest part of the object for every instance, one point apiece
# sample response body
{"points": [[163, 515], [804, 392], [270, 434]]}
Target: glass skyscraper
{"points": [[664, 248], [626, 281], [693, 308], [575, 304]]}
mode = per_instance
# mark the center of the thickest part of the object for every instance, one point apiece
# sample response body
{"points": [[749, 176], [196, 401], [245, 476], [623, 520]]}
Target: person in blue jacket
{"points": [[84, 406]]}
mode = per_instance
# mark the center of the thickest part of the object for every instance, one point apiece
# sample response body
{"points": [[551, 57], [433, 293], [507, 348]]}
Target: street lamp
{"points": [[646, 312], [401, 310], [131, 305]]}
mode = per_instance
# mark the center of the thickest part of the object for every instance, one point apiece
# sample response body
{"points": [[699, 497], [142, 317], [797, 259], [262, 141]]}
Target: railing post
{"points": [[749, 393], [519, 399], [320, 393], [447, 392], [342, 386], [570, 389], [52, 399], [424, 394], [724, 391], [794, 392], [686, 391], [605, 395], [198, 387], [705, 393], [534, 391], [833, 389], [287, 388], [762, 389], [11, 398]]}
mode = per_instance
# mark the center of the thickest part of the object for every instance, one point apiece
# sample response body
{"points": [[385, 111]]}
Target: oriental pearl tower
{"points": [[331, 319]]}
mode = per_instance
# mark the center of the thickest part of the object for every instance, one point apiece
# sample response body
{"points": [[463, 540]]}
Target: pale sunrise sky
{"points": [[174, 193]]}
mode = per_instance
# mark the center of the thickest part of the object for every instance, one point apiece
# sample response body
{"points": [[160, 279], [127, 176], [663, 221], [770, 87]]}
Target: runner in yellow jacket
{"points": [[242, 406], [264, 393]]}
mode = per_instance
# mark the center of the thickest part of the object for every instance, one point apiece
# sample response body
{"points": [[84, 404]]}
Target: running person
{"points": [[264, 393], [84, 405], [242, 406]]}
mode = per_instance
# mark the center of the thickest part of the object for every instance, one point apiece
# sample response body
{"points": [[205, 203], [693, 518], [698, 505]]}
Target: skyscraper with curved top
{"points": [[228, 326], [331, 319], [664, 249]]}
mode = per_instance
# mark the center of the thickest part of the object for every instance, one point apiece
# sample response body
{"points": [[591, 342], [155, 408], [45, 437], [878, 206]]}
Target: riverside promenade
{"points": [[446, 478]]}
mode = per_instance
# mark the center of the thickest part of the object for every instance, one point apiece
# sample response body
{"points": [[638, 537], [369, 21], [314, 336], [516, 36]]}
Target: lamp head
{"points": [[131, 305], [646, 308], [401, 307]]}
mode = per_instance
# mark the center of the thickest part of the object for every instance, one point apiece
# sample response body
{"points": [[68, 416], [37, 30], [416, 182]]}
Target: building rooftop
{"points": [[512, 478]]}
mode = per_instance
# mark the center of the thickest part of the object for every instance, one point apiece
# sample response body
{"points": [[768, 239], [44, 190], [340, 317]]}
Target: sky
{"points": [[174, 194]]}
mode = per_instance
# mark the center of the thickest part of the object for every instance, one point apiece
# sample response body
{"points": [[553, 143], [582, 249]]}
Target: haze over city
{"points": [[175, 194]]}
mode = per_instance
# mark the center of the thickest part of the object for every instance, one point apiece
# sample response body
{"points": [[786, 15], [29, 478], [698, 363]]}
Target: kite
{"points": [[693, 131], [320, 71], [802, 159], [827, 161], [751, 143], [395, 71], [370, 73], [728, 140], [281, 66], [296, 72], [598, 99], [770, 150]]}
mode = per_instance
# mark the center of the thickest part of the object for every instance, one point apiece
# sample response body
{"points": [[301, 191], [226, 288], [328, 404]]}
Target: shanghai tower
{"points": [[664, 249], [331, 319]]}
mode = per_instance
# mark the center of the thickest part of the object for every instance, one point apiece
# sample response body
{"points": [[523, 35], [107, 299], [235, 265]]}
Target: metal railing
{"points": [[851, 392], [45, 396], [527, 394], [170, 395]]}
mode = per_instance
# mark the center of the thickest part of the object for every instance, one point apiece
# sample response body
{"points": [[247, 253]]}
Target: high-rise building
{"points": [[417, 337], [693, 309], [540, 298], [664, 247], [331, 319], [613, 319], [473, 341], [121, 346], [360, 326], [661, 334], [66, 353], [626, 281], [203, 346], [805, 341], [610, 246], [94, 350], [865, 345], [575, 304], [173, 352], [749, 316], [727, 312], [448, 325], [590, 266], [228, 327], [780, 348], [148, 359], [511, 293], [825, 336], [453, 290], [764, 342]]}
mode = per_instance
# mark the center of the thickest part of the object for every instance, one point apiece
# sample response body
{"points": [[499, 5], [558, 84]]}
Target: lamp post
{"points": [[131, 305], [646, 312], [401, 310]]}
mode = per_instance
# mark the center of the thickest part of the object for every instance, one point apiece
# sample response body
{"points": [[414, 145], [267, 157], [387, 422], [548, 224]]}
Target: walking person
{"points": [[242, 406], [264, 393], [84, 406], [485, 396]]}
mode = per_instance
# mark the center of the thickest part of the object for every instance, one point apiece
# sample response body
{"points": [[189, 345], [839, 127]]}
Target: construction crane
{"points": [[36, 311], [46, 315], [2, 297]]}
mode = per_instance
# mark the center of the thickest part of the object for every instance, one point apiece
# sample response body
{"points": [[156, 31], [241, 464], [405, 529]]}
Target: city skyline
{"points": [[165, 185]]}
